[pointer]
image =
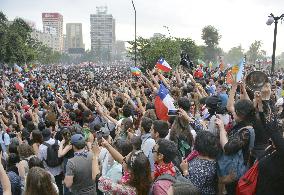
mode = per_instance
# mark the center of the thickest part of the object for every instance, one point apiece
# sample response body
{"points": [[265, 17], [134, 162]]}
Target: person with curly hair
{"points": [[26, 153], [201, 171]]}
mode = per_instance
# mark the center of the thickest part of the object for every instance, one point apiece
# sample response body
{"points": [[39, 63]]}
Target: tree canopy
{"points": [[211, 38], [234, 55], [150, 50], [17, 45], [255, 52]]}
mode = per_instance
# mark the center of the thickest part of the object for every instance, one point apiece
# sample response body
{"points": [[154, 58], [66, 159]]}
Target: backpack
{"points": [[167, 177], [178, 178], [52, 159], [247, 183], [228, 164]]}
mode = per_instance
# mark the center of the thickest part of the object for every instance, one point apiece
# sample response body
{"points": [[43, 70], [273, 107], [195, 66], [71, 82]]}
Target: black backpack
{"points": [[52, 159]]}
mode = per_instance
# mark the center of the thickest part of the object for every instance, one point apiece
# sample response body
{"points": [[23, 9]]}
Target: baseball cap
{"points": [[78, 140]]}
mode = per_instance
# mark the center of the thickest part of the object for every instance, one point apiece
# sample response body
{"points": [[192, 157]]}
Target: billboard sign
{"points": [[50, 15]]}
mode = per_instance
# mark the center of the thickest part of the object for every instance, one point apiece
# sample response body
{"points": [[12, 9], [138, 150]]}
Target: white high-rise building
{"points": [[102, 31], [53, 24], [46, 38]]}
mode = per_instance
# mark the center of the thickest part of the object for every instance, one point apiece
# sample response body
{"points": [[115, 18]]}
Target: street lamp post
{"points": [[270, 20], [135, 42]]}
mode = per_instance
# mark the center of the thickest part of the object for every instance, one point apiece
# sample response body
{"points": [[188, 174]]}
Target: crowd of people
{"points": [[82, 130]]}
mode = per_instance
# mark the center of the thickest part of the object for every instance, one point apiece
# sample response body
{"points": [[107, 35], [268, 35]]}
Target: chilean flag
{"points": [[163, 103], [163, 65], [20, 86]]}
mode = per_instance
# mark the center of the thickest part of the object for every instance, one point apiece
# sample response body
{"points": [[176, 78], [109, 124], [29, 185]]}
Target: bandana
{"points": [[86, 133], [164, 169], [192, 155]]}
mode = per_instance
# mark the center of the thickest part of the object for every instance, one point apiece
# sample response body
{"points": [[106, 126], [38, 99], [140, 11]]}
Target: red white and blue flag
{"points": [[164, 103], [20, 86], [163, 65]]}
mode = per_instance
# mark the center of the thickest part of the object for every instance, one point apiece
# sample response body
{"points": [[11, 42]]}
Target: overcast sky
{"points": [[238, 21]]}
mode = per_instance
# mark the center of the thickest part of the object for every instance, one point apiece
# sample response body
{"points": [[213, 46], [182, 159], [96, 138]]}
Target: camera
{"points": [[173, 112]]}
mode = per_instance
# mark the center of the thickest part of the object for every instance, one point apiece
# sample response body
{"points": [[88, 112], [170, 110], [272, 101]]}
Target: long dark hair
{"points": [[37, 136], [245, 110], [140, 172], [180, 131]]}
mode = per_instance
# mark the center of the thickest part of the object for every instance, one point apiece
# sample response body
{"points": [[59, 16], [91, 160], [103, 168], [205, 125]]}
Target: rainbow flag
{"points": [[135, 71]]}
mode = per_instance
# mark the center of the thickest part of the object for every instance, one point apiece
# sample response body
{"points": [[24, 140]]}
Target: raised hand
{"points": [[96, 148], [219, 123], [105, 143]]}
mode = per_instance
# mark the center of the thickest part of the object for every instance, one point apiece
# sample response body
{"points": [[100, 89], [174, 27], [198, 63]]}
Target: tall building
{"points": [[46, 38], [65, 47], [53, 24], [74, 37], [102, 32]]}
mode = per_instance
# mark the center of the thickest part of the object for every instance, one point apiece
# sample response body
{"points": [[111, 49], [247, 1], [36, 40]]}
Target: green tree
{"points": [[3, 34], [234, 55], [255, 52], [211, 38], [17, 45], [188, 46], [210, 54], [150, 50]]}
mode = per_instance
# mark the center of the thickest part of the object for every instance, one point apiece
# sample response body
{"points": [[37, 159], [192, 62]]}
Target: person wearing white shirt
{"points": [[147, 141]]}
